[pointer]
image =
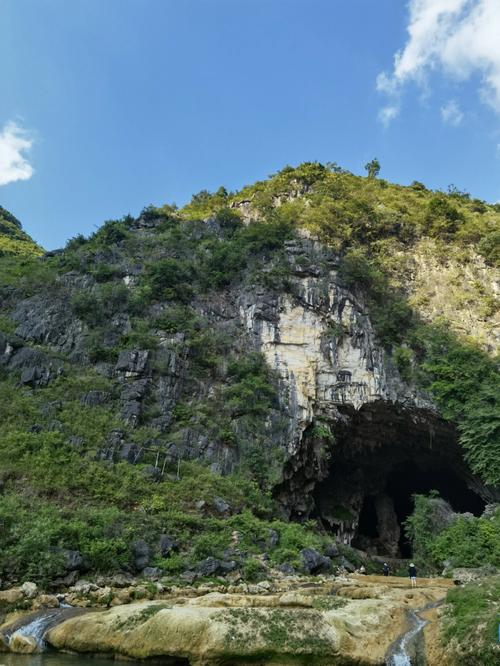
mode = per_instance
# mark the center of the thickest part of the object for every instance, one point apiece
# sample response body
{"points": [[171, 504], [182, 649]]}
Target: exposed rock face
{"points": [[322, 344], [344, 423]]}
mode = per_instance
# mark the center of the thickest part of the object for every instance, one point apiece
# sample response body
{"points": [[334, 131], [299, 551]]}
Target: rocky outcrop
{"points": [[305, 625], [320, 341]]}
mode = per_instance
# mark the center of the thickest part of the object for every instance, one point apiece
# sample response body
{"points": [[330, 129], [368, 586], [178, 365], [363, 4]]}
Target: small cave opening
{"points": [[381, 457], [367, 522]]}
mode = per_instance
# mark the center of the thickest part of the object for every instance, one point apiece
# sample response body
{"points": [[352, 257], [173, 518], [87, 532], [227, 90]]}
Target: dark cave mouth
{"points": [[381, 458], [373, 531]]}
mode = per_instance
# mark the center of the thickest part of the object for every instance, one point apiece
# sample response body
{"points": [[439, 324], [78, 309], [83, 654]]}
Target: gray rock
{"points": [[348, 566], [313, 562], [95, 398], [121, 580], [167, 545], [132, 362], [227, 566], [153, 573], [208, 567], [188, 576], [35, 376], [220, 505], [129, 452], [286, 569], [134, 390], [141, 553], [66, 581], [46, 319], [332, 550], [73, 560], [131, 412], [152, 473], [273, 539]]}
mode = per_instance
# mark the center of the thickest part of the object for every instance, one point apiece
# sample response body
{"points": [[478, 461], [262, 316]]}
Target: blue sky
{"points": [[109, 105]]}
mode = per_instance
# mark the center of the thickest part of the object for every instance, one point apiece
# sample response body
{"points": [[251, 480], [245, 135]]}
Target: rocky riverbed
{"points": [[350, 619]]}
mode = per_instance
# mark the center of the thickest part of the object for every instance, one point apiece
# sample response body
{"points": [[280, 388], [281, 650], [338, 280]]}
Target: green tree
{"points": [[373, 168]]}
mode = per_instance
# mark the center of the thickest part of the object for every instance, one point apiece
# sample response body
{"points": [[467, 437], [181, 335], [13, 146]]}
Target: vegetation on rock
{"points": [[130, 354]]}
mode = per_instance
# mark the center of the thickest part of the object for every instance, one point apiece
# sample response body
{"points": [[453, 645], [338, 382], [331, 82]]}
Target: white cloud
{"points": [[14, 145], [452, 114], [458, 37], [388, 113]]}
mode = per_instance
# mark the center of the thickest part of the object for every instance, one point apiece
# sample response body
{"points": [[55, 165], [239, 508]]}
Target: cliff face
{"points": [[260, 349], [341, 422]]}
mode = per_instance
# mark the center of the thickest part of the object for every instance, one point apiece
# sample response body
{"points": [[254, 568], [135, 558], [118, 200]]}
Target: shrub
{"points": [[489, 247], [442, 219], [170, 279], [253, 570]]}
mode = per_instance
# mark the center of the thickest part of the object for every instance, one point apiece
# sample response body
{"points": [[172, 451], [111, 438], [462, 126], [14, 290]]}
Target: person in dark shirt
{"points": [[385, 569], [412, 573]]}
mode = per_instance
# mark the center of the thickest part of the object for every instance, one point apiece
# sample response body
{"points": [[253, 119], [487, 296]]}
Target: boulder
{"points": [[221, 506], [332, 550], [66, 581], [12, 596], [315, 563], [227, 566], [151, 473], [29, 590], [121, 580], [141, 553], [208, 567], [152, 573], [348, 566], [45, 601], [167, 545], [73, 560], [464, 575], [24, 644], [129, 452]]}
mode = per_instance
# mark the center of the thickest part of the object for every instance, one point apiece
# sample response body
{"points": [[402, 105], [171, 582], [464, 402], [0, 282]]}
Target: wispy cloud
{"points": [[15, 144], [452, 114], [458, 37]]}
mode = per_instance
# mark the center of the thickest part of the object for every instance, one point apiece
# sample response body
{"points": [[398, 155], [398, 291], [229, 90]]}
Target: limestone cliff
{"points": [[293, 337]]}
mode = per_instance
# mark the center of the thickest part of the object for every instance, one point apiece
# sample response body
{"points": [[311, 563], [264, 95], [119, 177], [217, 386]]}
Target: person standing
{"points": [[412, 573], [385, 569]]}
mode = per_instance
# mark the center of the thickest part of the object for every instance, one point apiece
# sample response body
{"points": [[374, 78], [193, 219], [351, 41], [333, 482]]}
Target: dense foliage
{"points": [[466, 541]]}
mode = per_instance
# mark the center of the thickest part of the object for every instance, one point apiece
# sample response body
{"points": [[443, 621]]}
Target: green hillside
{"points": [[133, 401], [13, 240]]}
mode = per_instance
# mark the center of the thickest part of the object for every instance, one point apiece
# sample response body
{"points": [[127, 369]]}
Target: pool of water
{"points": [[52, 658]]}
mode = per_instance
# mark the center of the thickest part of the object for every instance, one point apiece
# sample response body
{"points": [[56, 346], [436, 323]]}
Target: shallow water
{"points": [[54, 659], [400, 655]]}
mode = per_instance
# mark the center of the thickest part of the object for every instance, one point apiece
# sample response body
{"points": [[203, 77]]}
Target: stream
{"points": [[407, 650]]}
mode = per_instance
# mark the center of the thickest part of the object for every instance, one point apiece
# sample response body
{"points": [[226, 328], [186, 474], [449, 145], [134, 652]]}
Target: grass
{"points": [[472, 615]]}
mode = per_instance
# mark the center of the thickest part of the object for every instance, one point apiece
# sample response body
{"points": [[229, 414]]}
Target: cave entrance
{"points": [[408, 478], [382, 456]]}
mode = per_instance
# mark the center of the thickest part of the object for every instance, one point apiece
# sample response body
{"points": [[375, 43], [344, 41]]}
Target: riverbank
{"points": [[328, 620]]}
